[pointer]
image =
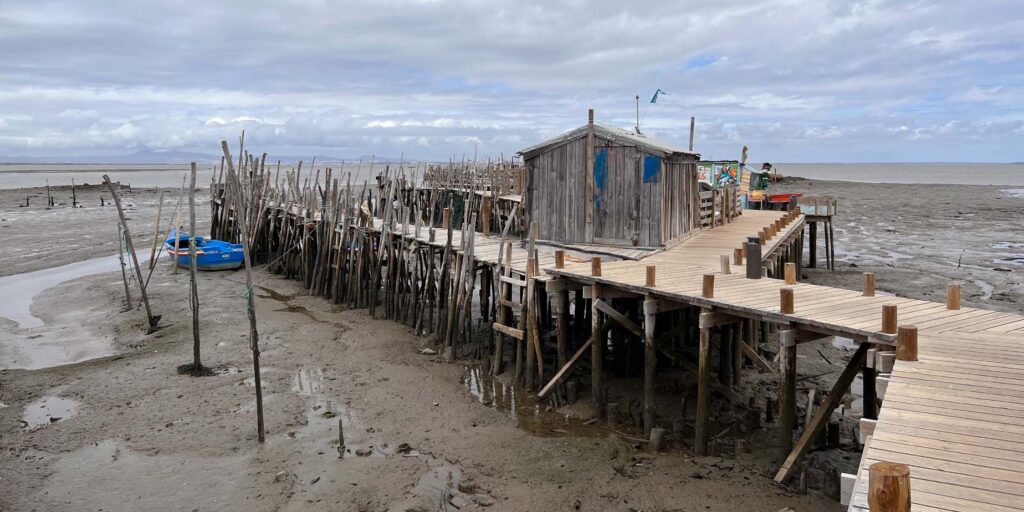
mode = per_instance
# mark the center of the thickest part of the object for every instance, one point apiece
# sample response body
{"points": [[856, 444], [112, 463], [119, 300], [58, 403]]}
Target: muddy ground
{"points": [[128, 432]]}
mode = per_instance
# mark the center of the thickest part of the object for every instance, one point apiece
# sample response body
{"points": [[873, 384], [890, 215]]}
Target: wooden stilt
{"points": [[787, 390], [650, 362], [700, 444], [596, 355]]}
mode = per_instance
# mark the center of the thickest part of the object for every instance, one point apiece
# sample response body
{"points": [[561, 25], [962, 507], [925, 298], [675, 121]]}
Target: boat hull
{"points": [[210, 254]]}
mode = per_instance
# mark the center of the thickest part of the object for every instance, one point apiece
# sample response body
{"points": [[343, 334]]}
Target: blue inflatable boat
{"points": [[210, 254]]}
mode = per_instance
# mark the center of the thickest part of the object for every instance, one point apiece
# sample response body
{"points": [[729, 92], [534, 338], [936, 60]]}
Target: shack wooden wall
{"points": [[556, 188], [639, 198], [681, 206]]}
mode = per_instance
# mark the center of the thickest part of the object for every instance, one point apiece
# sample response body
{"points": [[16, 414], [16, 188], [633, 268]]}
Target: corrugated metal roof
{"points": [[612, 133]]}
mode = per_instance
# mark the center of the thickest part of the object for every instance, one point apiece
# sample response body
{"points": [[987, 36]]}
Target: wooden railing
{"points": [[719, 206], [818, 206]]}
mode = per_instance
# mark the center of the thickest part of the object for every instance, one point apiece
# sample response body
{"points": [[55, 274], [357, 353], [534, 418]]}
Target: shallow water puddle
{"points": [[527, 413], [442, 484], [19, 348], [47, 410], [18, 291]]}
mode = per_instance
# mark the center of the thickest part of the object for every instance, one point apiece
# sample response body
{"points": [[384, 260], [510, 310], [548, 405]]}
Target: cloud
{"points": [[795, 79]]}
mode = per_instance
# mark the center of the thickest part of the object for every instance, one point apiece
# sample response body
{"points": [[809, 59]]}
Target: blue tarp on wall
{"points": [[600, 176], [652, 169]]}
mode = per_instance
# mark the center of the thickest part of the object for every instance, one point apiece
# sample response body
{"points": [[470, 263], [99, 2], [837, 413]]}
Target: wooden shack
{"points": [[599, 184]]}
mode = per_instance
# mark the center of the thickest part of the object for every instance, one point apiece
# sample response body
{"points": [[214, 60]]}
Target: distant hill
{"points": [[141, 157], [181, 157]]}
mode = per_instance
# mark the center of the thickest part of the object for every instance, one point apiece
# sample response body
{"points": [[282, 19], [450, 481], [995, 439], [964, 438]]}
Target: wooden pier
{"points": [[722, 290]]}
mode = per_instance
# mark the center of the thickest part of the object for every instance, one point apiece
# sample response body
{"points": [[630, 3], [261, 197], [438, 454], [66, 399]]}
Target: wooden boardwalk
{"points": [[700, 250], [956, 416]]}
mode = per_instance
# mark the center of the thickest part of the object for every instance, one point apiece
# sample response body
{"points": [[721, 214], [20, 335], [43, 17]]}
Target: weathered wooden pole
{"points": [[700, 443], [595, 266], [651, 277], [152, 320], [888, 487], [124, 273], [156, 231], [254, 337], [787, 390], [650, 362], [724, 263], [197, 365], [596, 355]]}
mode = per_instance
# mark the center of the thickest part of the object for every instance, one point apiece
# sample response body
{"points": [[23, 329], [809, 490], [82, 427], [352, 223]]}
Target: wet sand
{"points": [[918, 238], [127, 432]]}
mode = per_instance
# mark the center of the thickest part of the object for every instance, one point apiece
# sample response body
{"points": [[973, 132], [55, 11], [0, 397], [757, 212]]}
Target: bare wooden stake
{"points": [[152, 320], [559, 259], [725, 264], [651, 276], [708, 288], [254, 337], [156, 231], [197, 365], [595, 266]]}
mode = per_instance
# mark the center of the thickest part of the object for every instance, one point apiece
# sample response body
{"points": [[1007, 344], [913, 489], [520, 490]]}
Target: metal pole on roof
{"points": [[638, 114], [692, 121]]}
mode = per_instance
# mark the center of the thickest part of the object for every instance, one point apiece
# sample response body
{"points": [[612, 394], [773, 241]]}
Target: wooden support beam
{"points": [[597, 355], [787, 390], [609, 293], [560, 284], [564, 370], [821, 417], [759, 361], [889, 487], [650, 363], [700, 444], [619, 318], [709, 319], [509, 331]]}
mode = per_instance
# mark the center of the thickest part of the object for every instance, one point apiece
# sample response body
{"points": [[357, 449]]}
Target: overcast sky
{"points": [[806, 81]]}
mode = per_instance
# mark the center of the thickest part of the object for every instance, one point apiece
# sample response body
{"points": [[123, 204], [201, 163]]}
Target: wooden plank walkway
{"points": [[956, 417]]}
